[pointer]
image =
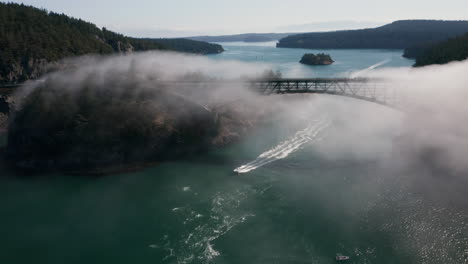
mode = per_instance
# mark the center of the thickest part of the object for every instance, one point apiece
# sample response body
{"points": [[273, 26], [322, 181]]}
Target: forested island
{"points": [[33, 40], [319, 59], [113, 121], [397, 35]]}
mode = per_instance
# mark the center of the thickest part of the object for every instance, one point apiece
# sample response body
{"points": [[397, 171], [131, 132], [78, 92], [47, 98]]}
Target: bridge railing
{"points": [[373, 90]]}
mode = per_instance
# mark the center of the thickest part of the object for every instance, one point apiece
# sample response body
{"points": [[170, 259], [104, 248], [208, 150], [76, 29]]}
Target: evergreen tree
{"points": [[32, 37]]}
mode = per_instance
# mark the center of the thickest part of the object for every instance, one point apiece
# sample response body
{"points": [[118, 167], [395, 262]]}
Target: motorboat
{"points": [[341, 257]]}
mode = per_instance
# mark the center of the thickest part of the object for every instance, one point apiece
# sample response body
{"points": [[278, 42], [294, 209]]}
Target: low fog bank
{"points": [[435, 107], [112, 111], [424, 141], [144, 108], [408, 164], [125, 100]]}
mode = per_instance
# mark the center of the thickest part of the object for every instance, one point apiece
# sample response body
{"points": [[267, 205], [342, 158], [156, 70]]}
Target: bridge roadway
{"points": [[372, 90]]}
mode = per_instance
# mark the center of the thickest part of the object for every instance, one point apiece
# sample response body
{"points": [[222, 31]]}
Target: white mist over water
{"points": [[434, 115], [437, 108]]}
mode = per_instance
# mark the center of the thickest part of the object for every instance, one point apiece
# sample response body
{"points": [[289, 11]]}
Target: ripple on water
{"points": [[197, 240], [433, 234]]}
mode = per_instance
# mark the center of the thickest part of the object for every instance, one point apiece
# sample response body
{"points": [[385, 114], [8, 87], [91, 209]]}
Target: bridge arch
{"points": [[370, 90]]}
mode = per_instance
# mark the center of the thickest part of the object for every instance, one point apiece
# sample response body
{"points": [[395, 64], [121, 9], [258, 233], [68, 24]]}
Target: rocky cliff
{"points": [[32, 69]]}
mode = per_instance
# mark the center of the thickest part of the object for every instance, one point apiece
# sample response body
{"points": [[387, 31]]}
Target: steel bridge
{"points": [[372, 90]]}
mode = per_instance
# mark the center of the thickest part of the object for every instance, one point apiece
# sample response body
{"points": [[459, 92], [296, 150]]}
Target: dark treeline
{"points": [[31, 38], [397, 35], [454, 49], [416, 50], [188, 45]]}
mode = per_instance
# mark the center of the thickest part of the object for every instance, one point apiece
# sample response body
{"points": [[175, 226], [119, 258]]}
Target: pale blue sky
{"points": [[155, 18]]}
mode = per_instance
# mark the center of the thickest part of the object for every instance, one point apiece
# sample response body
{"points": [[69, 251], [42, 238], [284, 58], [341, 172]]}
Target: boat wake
{"points": [[370, 68], [309, 134]]}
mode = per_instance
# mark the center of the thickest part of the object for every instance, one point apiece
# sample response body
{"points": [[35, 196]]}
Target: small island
{"points": [[319, 59]]}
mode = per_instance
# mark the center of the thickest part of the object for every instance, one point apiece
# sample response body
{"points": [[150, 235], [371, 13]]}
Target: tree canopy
{"points": [[30, 38], [454, 49], [397, 35]]}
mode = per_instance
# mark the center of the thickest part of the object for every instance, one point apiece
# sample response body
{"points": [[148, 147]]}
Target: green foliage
{"points": [[397, 35], [319, 59], [455, 49], [30, 38], [188, 45], [416, 50], [92, 125]]}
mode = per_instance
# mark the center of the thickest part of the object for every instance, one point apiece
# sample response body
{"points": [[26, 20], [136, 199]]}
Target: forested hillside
{"points": [[188, 45], [31, 39], [397, 35], [454, 49]]}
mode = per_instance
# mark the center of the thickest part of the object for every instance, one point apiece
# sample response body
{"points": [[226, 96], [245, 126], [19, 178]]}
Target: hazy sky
{"points": [[193, 17]]}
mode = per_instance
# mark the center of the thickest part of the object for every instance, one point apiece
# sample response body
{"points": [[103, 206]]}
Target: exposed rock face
{"points": [[34, 69], [124, 47], [233, 123], [319, 59]]}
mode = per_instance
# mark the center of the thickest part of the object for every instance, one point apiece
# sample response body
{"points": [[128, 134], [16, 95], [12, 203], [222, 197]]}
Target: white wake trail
{"points": [[285, 148], [370, 68]]}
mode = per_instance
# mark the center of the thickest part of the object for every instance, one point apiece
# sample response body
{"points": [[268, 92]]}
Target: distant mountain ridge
{"points": [[187, 45], [397, 35], [33, 40], [247, 37]]}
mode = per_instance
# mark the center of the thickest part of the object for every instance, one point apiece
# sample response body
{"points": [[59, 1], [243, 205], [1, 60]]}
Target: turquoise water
{"points": [[286, 60], [314, 192]]}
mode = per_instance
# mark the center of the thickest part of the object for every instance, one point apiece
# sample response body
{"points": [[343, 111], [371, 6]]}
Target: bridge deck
{"points": [[373, 90]]}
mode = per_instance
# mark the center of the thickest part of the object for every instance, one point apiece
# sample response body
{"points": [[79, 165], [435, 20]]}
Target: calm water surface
{"points": [[295, 206], [287, 60]]}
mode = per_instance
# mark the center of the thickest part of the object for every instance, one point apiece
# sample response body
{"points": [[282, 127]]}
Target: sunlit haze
{"points": [[156, 18], [151, 131]]}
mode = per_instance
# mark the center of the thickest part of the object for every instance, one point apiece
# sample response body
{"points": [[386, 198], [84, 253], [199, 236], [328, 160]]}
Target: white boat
{"points": [[341, 257]]}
